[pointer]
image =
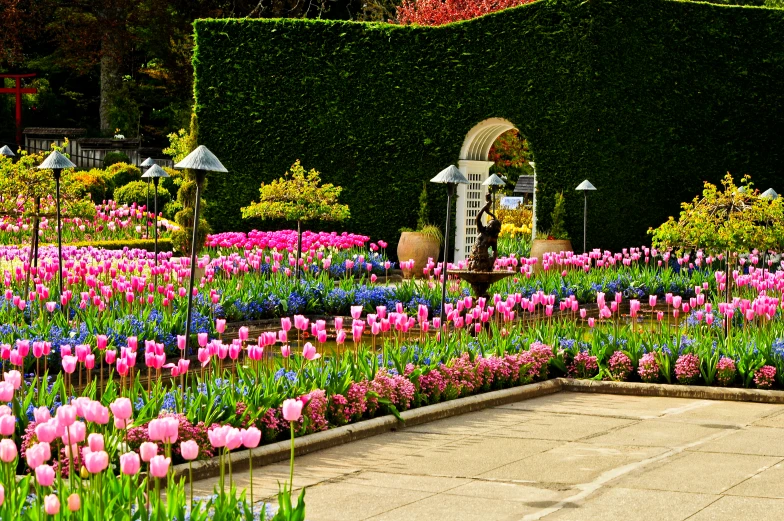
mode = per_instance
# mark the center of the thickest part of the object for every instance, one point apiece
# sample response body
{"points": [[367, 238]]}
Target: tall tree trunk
{"points": [[111, 79]]}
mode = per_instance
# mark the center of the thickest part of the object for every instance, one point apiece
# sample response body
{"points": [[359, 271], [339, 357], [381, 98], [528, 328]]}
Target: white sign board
{"points": [[511, 202]]}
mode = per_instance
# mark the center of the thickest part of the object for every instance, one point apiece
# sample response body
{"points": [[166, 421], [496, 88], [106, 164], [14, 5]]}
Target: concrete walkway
{"points": [[567, 456]]}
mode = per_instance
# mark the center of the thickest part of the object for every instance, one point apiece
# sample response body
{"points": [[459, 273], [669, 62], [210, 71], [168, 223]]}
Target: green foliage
{"points": [[298, 196], [646, 98], [424, 211], [120, 174], [181, 143], [137, 192], [112, 158], [93, 183], [558, 219], [735, 220], [164, 244]]}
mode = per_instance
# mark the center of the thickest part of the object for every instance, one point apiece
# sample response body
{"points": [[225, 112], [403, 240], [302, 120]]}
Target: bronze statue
{"points": [[480, 259]]}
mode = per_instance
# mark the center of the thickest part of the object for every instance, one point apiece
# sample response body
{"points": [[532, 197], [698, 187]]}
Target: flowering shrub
{"points": [[687, 369], [765, 377], [620, 366], [648, 368], [583, 366], [725, 371]]}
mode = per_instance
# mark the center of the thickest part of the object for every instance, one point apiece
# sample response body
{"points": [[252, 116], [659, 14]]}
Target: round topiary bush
{"points": [[120, 174], [136, 192], [112, 158], [91, 182]]}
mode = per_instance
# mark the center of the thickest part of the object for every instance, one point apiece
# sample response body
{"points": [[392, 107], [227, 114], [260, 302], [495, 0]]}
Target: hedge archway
{"points": [[646, 98]]}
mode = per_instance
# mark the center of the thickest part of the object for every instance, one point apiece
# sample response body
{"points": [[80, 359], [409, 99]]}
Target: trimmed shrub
{"points": [[91, 182], [645, 98], [120, 174], [164, 244], [136, 192], [112, 158]]}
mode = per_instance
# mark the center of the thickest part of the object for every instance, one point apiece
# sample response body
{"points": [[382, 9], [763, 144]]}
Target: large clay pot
{"points": [[542, 246], [417, 246]]}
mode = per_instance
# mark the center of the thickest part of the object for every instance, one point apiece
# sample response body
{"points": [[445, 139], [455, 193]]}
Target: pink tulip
{"points": [[242, 333], [285, 351], [251, 437], [218, 435], [181, 342], [101, 341], [309, 352], [189, 450], [148, 450], [203, 339], [41, 414], [7, 425], [292, 410], [52, 504], [122, 408], [6, 392], [220, 325], [95, 442], [74, 502], [8, 451], [233, 438], [591, 322], [66, 415], [96, 461], [44, 475], [130, 464], [69, 364], [14, 378], [159, 466], [110, 356]]}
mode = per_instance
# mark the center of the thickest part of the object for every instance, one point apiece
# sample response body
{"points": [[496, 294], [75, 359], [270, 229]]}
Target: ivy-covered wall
{"points": [[645, 98]]}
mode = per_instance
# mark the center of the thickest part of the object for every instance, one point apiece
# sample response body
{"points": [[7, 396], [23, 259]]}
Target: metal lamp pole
{"points": [[147, 163], [56, 162], [155, 173], [200, 161], [451, 177], [585, 187]]}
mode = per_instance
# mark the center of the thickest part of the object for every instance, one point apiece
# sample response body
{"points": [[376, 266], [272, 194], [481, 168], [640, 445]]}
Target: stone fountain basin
{"points": [[480, 281]]}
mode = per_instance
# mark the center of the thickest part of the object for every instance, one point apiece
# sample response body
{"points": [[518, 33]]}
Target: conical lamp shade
{"points": [[494, 180], [5, 151], [201, 159], [155, 171], [450, 175], [56, 161]]}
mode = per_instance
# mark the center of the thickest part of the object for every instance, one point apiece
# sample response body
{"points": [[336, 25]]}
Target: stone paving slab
{"points": [[565, 457]]}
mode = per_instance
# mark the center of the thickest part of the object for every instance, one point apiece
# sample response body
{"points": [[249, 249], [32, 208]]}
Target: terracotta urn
{"points": [[420, 247]]}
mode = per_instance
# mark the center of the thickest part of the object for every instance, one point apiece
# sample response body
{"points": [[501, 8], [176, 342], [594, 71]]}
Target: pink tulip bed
{"points": [[109, 222], [104, 396]]}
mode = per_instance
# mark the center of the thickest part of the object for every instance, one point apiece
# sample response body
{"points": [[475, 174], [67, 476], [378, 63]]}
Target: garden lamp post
{"points": [[146, 164], [451, 177], [7, 152], [155, 173], [494, 183], [200, 161], [771, 195], [585, 187], [533, 204], [56, 162]]}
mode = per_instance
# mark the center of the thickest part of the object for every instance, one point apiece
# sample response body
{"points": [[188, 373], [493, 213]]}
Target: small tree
{"points": [[180, 145], [558, 230], [736, 220], [298, 196]]}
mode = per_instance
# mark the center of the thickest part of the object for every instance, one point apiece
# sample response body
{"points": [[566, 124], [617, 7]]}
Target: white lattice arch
{"points": [[475, 166]]}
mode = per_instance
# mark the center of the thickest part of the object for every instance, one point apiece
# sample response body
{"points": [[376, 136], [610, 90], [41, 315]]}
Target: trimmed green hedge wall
{"points": [[646, 98]]}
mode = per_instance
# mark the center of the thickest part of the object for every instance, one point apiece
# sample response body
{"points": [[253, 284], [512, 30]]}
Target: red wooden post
{"points": [[17, 90]]}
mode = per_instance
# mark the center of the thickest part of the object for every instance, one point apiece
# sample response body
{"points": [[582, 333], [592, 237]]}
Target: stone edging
{"points": [[673, 391], [280, 451]]}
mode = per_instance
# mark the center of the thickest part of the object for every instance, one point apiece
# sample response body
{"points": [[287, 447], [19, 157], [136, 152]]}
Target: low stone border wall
{"points": [[280, 451]]}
